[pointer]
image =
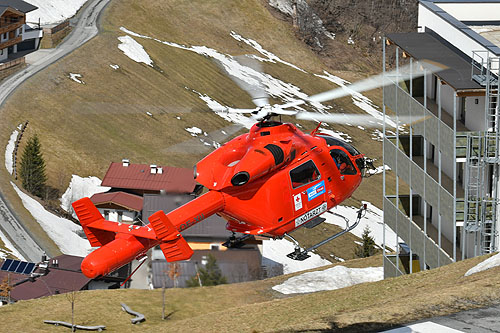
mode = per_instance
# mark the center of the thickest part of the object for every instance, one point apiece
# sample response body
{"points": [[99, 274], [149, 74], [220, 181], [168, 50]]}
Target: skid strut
{"points": [[302, 255], [236, 242]]}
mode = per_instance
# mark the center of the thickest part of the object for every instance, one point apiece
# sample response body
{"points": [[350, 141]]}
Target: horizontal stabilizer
{"points": [[87, 214], [173, 245]]}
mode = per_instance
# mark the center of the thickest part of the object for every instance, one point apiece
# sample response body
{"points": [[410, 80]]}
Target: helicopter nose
{"points": [[241, 178]]}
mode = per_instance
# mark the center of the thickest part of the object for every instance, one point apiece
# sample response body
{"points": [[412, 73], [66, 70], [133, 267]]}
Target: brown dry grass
{"points": [[255, 307]]}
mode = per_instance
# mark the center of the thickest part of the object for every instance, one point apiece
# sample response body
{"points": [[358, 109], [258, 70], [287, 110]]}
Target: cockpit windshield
{"points": [[331, 141]]}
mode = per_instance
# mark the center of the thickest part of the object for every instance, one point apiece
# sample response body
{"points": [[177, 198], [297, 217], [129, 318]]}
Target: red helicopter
{"points": [[267, 182]]}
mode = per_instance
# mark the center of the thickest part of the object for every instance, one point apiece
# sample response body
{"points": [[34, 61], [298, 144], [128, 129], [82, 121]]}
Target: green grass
{"points": [[255, 307]]}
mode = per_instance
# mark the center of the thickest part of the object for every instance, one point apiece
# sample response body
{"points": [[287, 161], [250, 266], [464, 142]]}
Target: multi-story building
{"points": [[15, 34], [441, 197]]}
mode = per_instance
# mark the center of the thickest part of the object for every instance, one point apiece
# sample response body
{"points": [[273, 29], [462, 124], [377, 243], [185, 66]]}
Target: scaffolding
{"points": [[482, 161]]}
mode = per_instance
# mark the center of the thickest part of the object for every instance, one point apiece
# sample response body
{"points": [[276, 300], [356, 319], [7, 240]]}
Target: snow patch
{"points": [[80, 187], [194, 131], [373, 220], [62, 231], [491, 262], [330, 279], [76, 77], [53, 11], [336, 134], [276, 250], [378, 170], [115, 67], [9, 249], [134, 50], [9, 151], [276, 88], [271, 57]]}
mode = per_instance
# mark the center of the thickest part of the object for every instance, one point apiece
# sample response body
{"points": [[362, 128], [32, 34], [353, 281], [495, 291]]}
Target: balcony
{"points": [[421, 182], [435, 131], [413, 235], [11, 42], [10, 26], [446, 118]]}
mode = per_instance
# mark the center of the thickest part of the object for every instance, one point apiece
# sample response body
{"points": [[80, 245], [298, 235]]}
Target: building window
{"points": [[120, 216], [106, 214]]}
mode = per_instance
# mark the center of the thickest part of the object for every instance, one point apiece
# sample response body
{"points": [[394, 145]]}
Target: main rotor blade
{"points": [[259, 95], [203, 144], [402, 74], [357, 119]]}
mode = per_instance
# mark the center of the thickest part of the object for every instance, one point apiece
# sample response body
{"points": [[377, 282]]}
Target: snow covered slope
{"points": [[53, 11]]}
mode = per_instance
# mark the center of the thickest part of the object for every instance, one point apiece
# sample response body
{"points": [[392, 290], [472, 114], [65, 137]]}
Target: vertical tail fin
{"points": [[87, 214], [173, 245]]}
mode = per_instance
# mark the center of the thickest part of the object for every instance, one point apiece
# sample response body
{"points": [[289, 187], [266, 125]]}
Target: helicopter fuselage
{"points": [[269, 181]]}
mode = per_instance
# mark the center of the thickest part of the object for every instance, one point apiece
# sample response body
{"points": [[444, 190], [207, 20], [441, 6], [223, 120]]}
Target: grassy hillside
{"points": [[255, 307], [83, 127]]}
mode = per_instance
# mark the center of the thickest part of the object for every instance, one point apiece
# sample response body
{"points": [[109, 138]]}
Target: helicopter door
{"points": [[308, 191]]}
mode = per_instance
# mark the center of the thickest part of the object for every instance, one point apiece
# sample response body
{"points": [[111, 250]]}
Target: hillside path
{"points": [[84, 29]]}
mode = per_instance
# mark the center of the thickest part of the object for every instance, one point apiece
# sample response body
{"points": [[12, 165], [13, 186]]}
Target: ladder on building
{"points": [[483, 160], [491, 156], [474, 181]]}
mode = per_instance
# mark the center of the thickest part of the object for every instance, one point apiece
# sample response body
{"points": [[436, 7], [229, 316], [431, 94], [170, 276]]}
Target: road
{"points": [[483, 320], [84, 29]]}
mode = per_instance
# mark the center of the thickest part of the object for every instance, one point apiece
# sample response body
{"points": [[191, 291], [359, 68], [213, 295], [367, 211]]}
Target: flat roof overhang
{"points": [[424, 46]]}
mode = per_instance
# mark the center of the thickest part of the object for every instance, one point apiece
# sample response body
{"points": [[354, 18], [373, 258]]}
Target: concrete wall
{"points": [[3, 55], [127, 216], [429, 19], [472, 11], [474, 113]]}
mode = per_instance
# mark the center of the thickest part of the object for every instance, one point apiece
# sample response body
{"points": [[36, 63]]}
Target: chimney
{"points": [[125, 162], [153, 169], [159, 170]]}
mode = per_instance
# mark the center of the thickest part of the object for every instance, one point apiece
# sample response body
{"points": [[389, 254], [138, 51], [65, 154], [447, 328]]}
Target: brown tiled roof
{"points": [[139, 177], [126, 200], [62, 279]]}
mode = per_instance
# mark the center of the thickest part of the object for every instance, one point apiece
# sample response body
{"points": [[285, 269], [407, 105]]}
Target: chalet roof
{"points": [[139, 177], [66, 277], [428, 46], [126, 200], [17, 5], [214, 227], [236, 265]]}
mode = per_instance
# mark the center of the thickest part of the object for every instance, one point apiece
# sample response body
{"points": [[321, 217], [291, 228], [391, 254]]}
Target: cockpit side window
{"points": [[304, 174], [343, 162]]}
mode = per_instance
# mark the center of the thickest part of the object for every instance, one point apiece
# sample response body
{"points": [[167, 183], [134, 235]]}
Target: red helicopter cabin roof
{"points": [[126, 200], [149, 178]]}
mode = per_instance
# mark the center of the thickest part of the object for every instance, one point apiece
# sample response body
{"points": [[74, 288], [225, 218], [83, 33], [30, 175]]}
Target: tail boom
{"points": [[121, 243]]}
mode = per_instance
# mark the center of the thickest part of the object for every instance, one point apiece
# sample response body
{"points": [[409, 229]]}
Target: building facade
{"points": [[441, 197], [15, 34]]}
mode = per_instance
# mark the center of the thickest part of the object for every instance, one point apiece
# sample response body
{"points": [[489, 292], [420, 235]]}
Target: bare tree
{"points": [[71, 297], [173, 272], [5, 288]]}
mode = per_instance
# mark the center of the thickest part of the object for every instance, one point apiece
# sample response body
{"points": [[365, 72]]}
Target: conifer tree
{"points": [[32, 170], [210, 275], [367, 249]]}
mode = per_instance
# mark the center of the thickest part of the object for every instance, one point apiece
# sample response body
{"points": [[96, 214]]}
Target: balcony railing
{"points": [[11, 42], [411, 233], [434, 130], [421, 182], [11, 26]]}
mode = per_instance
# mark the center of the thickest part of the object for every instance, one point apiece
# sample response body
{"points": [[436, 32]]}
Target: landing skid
{"points": [[302, 255]]}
